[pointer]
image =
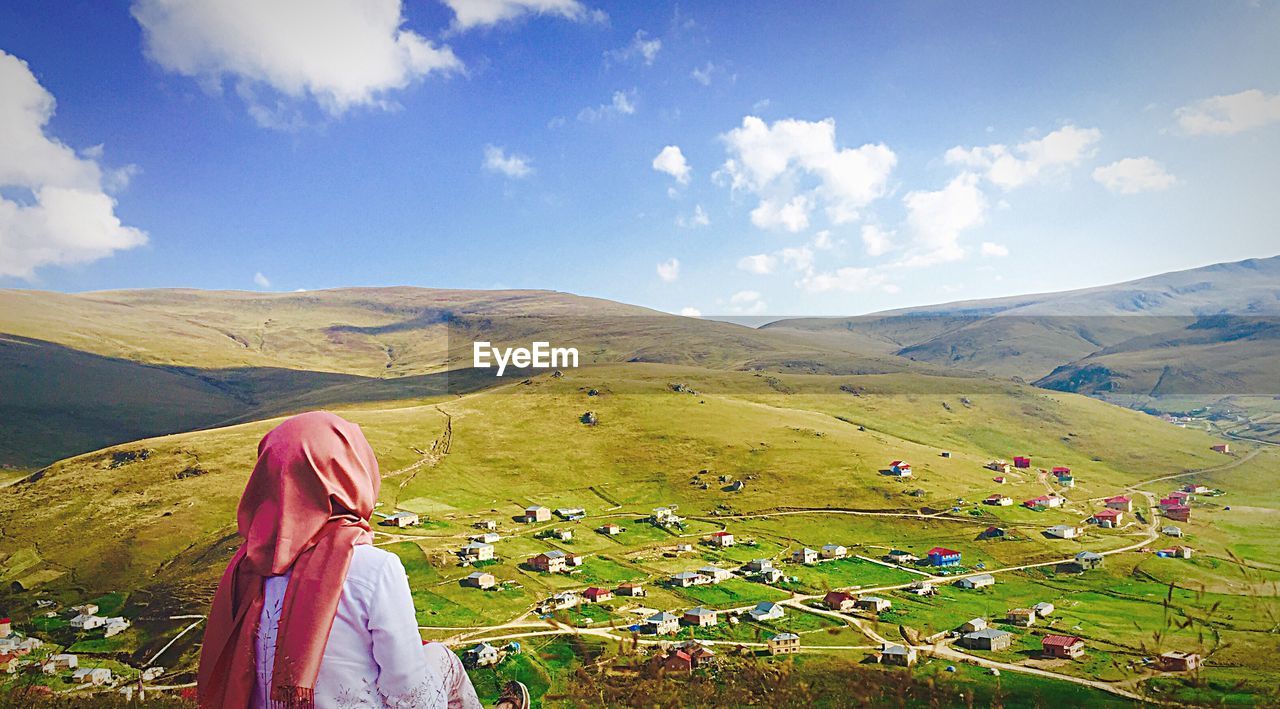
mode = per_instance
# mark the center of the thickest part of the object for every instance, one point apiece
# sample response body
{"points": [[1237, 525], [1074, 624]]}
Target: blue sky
{"points": [[833, 158]]}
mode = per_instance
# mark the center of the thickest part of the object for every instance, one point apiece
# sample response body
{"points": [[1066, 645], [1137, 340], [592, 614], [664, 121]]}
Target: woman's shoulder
{"points": [[369, 565]]}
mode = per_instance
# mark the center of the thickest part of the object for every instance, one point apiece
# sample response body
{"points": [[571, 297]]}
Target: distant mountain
{"points": [[1032, 336]]}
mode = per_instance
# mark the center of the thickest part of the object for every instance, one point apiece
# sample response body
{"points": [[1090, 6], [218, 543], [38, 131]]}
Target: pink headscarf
{"points": [[305, 508]]}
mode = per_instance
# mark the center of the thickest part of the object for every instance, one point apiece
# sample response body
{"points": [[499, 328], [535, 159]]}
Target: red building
{"points": [[1021, 461], [1181, 513], [1066, 647]]}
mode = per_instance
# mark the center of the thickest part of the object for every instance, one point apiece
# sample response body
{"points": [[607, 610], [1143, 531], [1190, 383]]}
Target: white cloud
{"points": [[641, 47], [759, 264], [706, 73], [876, 241], [669, 270], [623, 103], [341, 53], [795, 165], [1225, 115], [261, 281], [823, 240], [990, 248], [792, 216], [937, 218], [671, 161], [747, 302], [61, 213], [689, 312], [850, 279], [481, 13], [699, 218], [497, 160], [1134, 175], [1013, 167]]}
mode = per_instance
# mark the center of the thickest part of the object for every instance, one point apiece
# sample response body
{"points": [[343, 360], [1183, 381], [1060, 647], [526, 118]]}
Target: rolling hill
{"points": [[87, 370]]}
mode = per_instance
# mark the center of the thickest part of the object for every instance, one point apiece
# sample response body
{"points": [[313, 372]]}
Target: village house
{"points": [[633, 590], [685, 579], [62, 661], [999, 480], [9, 663], [684, 548], [1021, 461], [610, 529], [552, 562], [974, 625], [839, 601], [1063, 531], [900, 469], [96, 676], [942, 556], [1120, 502], [1089, 560], [563, 599], [834, 551], [700, 617], [875, 604], [735, 486], [115, 626], [482, 655], [6, 628], [992, 639], [804, 556], [898, 556], [999, 466], [1182, 496], [1024, 617], [1066, 647], [563, 535], [991, 533], [572, 514], [770, 576], [1171, 531], [1060, 470], [487, 524], [665, 517], [487, 538], [1107, 518], [921, 588], [1176, 661], [597, 595], [698, 652], [85, 609], [784, 644], [537, 513], [1178, 552], [1195, 488], [766, 611], [1043, 609], [998, 500], [87, 622], [662, 623], [894, 654], [1043, 502], [477, 551], [1178, 513], [758, 565], [945, 454], [979, 581], [722, 539], [715, 573], [480, 579], [401, 519], [671, 661], [1066, 481], [1221, 448]]}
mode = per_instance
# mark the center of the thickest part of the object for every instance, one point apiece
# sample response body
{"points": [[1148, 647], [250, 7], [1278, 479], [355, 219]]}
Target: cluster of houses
{"points": [[667, 623], [1177, 504], [87, 618], [1113, 511], [13, 647]]}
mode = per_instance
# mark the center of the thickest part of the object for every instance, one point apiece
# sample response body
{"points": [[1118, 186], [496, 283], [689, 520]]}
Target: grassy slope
{"points": [[794, 437]]}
